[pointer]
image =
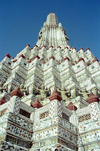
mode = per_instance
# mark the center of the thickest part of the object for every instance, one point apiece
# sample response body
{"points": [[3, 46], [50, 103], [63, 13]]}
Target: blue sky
{"points": [[21, 21]]}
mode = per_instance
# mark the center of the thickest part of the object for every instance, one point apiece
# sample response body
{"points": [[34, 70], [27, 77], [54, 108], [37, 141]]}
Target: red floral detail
{"points": [[52, 57], [8, 55], [73, 48], [22, 56], [36, 57], [81, 48], [80, 59], [28, 45]]}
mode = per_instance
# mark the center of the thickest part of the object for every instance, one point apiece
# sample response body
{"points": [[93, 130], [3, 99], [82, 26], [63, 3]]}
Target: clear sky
{"points": [[21, 21]]}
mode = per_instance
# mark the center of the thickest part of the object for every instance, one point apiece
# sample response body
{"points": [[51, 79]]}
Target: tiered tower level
{"points": [[49, 95]]}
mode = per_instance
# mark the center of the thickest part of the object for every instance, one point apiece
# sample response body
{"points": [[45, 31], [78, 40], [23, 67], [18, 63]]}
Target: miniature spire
{"points": [[55, 96], [52, 19], [36, 104], [2, 100], [16, 92], [92, 98], [71, 106]]}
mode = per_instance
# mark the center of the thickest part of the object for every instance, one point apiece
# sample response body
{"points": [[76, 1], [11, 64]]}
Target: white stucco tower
{"points": [[50, 95], [52, 33]]}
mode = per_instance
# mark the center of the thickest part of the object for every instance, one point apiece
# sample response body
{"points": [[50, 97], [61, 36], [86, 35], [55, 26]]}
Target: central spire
{"points": [[52, 19], [52, 34]]}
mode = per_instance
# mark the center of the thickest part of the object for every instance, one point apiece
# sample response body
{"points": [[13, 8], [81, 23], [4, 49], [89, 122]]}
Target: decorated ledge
{"points": [[22, 56], [66, 58], [71, 106], [55, 96], [17, 92], [28, 45], [92, 98], [8, 55], [36, 104], [80, 59], [52, 57], [2, 100]]}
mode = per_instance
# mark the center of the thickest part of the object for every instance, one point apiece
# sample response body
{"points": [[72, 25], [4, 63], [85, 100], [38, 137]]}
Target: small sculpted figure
{"points": [[64, 93], [43, 92], [2, 87], [24, 89], [84, 93]]}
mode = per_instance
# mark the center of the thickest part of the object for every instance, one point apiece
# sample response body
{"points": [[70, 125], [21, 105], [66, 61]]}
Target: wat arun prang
{"points": [[49, 95]]}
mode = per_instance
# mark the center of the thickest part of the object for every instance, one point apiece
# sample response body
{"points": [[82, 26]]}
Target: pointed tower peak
{"points": [[52, 19]]}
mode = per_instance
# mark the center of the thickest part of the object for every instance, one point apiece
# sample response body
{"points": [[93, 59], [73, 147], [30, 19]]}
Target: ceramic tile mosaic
{"points": [[94, 111]]}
